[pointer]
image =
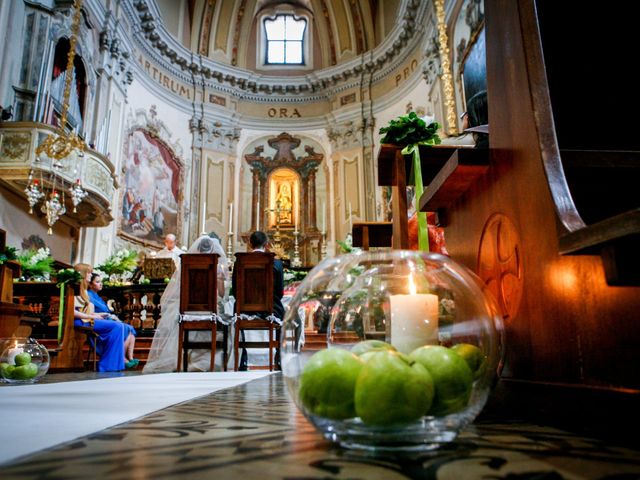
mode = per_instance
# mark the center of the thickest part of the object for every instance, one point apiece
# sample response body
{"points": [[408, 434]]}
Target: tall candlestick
{"points": [[414, 320], [204, 216], [258, 216], [297, 216], [231, 217], [324, 218]]}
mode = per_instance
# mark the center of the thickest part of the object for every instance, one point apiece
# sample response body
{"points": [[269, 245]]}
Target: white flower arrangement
{"points": [[40, 255], [37, 265]]}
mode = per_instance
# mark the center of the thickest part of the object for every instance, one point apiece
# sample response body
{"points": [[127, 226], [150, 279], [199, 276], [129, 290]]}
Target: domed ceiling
{"points": [[231, 32]]}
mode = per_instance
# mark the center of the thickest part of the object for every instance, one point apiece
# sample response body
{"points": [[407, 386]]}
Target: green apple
{"points": [[473, 356], [6, 370], [393, 389], [328, 383], [371, 346], [366, 356], [22, 359], [452, 378], [25, 372]]}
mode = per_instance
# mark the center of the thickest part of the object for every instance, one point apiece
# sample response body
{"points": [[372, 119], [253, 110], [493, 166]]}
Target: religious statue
{"points": [[283, 201]]}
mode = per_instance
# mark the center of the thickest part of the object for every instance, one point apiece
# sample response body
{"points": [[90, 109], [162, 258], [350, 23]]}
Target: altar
{"points": [[284, 201]]}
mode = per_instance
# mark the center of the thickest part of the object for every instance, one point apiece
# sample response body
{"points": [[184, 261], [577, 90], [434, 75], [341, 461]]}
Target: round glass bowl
{"points": [[22, 360], [412, 348]]}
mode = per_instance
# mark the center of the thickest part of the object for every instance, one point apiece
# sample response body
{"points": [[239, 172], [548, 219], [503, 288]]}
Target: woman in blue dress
{"points": [[100, 306], [110, 333]]}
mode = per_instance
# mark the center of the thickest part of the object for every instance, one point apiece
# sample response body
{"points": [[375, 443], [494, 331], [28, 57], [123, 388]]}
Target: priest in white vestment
{"points": [[170, 250]]}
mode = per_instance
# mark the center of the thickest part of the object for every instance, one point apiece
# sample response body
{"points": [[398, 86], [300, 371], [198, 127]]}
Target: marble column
{"points": [[312, 200], [304, 221], [256, 196], [262, 194]]}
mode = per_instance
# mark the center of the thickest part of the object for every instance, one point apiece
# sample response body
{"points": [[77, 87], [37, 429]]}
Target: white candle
{"points": [[324, 218], [350, 221], [258, 216], [204, 216], [231, 217], [414, 320]]}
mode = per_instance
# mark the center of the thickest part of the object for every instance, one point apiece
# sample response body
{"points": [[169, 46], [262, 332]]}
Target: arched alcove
{"points": [[77, 97]]}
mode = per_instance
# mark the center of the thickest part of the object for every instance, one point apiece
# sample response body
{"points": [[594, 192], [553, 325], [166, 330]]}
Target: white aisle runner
{"points": [[34, 417]]}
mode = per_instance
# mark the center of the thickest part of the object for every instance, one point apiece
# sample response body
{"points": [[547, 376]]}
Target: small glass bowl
{"points": [[437, 317], [22, 360]]}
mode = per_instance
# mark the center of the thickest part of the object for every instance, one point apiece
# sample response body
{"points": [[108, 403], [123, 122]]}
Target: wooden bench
{"points": [[44, 298]]}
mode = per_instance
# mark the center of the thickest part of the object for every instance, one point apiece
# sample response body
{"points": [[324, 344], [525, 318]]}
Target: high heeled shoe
{"points": [[133, 363]]}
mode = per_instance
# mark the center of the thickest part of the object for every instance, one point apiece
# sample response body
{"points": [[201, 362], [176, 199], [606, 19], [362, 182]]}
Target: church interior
{"points": [[146, 144]]}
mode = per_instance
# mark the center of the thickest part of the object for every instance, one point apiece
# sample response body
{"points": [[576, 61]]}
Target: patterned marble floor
{"points": [[254, 431]]}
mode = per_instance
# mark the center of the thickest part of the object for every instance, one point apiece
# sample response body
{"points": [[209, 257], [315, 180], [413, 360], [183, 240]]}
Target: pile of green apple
{"points": [[382, 386], [23, 369]]}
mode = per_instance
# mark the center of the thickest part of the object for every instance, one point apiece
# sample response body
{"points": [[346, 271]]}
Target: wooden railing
{"points": [[137, 305]]}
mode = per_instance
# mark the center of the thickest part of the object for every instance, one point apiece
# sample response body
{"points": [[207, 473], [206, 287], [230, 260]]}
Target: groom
{"points": [[258, 242]]}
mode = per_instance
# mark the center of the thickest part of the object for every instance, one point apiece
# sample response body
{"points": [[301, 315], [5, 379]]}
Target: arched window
{"points": [[285, 37]]}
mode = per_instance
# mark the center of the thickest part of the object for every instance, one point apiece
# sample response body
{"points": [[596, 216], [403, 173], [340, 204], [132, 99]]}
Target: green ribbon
{"points": [[423, 232], [61, 312]]}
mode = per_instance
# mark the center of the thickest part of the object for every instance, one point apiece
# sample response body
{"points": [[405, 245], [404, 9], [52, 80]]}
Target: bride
{"points": [[163, 356]]}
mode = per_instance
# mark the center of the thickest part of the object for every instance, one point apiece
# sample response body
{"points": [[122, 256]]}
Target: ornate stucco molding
{"points": [[445, 66], [152, 35], [215, 136], [351, 134]]}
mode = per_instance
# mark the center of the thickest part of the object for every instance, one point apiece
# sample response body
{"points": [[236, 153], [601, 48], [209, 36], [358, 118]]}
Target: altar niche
{"points": [[284, 197]]}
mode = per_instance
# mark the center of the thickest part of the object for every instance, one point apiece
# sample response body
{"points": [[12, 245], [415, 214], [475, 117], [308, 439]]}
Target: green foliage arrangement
{"points": [[36, 265], [291, 276], [344, 246], [120, 262], [9, 253], [409, 130], [68, 276]]}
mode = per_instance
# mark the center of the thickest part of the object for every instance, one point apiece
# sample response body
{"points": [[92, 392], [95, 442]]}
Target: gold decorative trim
{"points": [[447, 76]]}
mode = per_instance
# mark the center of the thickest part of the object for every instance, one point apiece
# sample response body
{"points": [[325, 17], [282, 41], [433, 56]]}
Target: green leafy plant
{"points": [[9, 253], [410, 129], [291, 276], [36, 265], [68, 276], [413, 131], [120, 262], [344, 246]]}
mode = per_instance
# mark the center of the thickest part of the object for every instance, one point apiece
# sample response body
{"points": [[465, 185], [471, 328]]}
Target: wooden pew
{"points": [[45, 298], [372, 234], [558, 248], [448, 171], [12, 315]]}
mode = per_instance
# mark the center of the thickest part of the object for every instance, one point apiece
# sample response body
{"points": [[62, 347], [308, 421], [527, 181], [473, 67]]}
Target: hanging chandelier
{"points": [[56, 147]]}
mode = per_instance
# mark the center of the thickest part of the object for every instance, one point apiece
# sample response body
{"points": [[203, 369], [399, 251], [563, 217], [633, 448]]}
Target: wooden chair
{"points": [[253, 275], [198, 304]]}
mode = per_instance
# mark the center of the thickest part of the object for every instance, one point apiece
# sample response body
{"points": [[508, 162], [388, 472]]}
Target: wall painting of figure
{"points": [[151, 190]]}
